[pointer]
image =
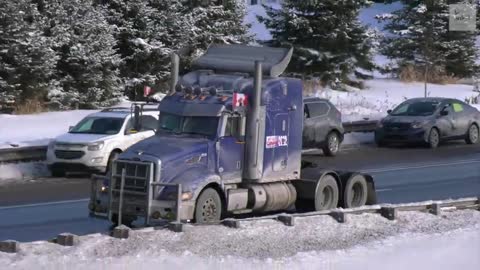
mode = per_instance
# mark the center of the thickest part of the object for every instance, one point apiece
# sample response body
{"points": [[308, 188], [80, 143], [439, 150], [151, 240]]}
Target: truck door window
{"points": [[148, 122], [317, 109], [233, 127]]}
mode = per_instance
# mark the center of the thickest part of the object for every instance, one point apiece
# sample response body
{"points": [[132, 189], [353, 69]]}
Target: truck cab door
{"points": [[230, 149]]}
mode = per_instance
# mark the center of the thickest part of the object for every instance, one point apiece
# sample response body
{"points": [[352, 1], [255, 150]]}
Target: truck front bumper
{"points": [[105, 202]]}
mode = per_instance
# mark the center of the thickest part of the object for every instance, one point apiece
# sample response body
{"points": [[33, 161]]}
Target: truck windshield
{"points": [[199, 125], [98, 125]]}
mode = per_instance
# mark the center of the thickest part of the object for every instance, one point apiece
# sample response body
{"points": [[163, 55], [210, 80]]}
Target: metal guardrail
{"points": [[39, 153], [31, 153], [360, 126]]}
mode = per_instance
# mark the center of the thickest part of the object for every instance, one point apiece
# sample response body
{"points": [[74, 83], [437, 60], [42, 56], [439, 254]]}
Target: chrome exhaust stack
{"points": [[255, 137], [175, 71]]}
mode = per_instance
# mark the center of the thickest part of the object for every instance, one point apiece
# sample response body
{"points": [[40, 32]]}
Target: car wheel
{"points": [[332, 145], [209, 207], [113, 156], [473, 134], [433, 138], [380, 142]]}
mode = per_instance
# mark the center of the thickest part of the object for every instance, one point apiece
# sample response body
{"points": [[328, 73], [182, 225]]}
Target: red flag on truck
{"points": [[239, 100], [147, 90]]}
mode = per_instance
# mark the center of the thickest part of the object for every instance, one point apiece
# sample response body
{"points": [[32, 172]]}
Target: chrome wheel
{"points": [[434, 138], [473, 134]]}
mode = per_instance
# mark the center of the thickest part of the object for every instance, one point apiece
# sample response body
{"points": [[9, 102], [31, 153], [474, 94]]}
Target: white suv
{"points": [[96, 141]]}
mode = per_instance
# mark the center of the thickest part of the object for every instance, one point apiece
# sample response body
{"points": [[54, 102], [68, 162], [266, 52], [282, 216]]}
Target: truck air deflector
{"points": [[191, 109], [241, 58]]}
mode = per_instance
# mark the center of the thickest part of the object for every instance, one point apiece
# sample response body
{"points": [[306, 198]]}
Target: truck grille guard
{"points": [[133, 185]]}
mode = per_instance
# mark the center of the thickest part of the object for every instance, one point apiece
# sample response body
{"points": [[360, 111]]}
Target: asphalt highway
{"points": [[43, 208]]}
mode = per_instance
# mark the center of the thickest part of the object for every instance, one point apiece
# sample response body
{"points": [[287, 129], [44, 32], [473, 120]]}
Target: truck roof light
{"points": [[212, 91], [179, 88], [197, 91]]}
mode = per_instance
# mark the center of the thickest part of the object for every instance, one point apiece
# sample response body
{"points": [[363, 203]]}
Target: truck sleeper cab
{"points": [[220, 152]]}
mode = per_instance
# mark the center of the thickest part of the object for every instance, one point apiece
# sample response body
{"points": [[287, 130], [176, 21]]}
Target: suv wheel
{"points": [[332, 145]]}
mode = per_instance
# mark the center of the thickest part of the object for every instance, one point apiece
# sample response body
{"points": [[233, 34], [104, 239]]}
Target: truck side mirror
{"points": [[389, 111], [70, 128], [444, 113]]}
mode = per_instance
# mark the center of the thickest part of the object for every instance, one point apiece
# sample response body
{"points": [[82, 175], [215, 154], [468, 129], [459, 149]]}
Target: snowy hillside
{"points": [[415, 241]]}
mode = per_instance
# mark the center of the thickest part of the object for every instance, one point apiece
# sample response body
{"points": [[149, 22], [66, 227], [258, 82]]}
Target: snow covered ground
{"points": [[36, 129], [22, 171], [414, 241]]}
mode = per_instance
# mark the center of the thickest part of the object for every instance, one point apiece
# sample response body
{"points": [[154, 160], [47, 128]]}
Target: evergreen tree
{"points": [[218, 22], [27, 62], [328, 39], [87, 73], [421, 39], [148, 32]]}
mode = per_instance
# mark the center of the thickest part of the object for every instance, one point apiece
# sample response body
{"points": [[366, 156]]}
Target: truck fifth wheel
{"points": [[229, 142]]}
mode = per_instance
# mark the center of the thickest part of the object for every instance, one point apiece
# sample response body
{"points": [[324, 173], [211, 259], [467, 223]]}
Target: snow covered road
{"points": [[414, 241]]}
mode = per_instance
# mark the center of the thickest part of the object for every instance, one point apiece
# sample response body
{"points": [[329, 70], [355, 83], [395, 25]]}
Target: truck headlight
{"points": [[187, 196], [95, 146]]}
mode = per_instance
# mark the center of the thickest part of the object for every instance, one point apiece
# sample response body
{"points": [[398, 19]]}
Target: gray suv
{"points": [[322, 126]]}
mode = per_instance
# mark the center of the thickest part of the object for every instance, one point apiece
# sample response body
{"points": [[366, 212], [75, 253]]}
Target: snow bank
{"points": [[36, 129], [382, 95], [22, 171], [414, 241]]}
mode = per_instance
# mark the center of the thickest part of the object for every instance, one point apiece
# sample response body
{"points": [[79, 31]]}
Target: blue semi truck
{"points": [[229, 141]]}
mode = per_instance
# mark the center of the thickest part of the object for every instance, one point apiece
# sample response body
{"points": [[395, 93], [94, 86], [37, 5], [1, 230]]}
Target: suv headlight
{"points": [[95, 146]]}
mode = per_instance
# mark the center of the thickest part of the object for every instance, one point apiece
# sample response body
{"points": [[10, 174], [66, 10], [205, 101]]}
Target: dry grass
{"points": [[30, 107], [437, 75], [311, 87]]}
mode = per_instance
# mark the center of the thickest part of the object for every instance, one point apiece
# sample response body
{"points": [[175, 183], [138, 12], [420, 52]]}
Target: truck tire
{"points": [[332, 144], [356, 192], [126, 220], [326, 193], [208, 208], [472, 135]]}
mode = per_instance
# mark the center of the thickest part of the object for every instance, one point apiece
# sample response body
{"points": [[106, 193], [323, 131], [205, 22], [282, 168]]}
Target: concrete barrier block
{"points": [[121, 232], [436, 209], [339, 216], [176, 227], [288, 220], [9, 246], [389, 213], [67, 239], [232, 223]]}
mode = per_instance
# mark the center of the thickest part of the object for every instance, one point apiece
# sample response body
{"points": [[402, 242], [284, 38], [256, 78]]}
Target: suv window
{"points": [[317, 109], [148, 123]]}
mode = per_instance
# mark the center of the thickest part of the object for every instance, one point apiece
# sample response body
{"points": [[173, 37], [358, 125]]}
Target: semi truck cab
{"points": [[229, 142]]}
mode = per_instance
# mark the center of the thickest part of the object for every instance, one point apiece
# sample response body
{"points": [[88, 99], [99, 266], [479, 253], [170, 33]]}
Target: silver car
{"points": [[322, 126], [429, 121]]}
